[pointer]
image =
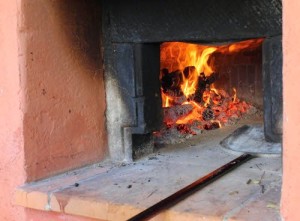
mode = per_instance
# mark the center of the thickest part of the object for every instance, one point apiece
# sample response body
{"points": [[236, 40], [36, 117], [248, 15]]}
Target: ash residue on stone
{"points": [[153, 158], [172, 135], [254, 137]]}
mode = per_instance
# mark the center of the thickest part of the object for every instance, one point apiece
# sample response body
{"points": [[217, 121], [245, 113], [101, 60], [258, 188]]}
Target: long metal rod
{"points": [[190, 189]]}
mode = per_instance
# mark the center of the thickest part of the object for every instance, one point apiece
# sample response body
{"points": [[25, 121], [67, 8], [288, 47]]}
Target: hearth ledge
{"points": [[110, 191]]}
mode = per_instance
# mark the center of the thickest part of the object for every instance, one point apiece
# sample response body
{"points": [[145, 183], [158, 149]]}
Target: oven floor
{"points": [[116, 192]]}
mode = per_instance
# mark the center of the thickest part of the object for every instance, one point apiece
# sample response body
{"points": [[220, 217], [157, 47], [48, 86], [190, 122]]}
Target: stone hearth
{"points": [[118, 191]]}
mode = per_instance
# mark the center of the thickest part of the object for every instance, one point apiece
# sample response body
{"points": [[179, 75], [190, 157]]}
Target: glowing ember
{"points": [[187, 79]]}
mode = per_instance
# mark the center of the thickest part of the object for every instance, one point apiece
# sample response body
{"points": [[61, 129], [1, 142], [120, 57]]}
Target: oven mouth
{"points": [[134, 72], [205, 87]]}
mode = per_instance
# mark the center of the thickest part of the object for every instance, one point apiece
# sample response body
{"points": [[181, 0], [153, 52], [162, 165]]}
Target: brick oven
{"points": [[92, 102], [134, 32]]}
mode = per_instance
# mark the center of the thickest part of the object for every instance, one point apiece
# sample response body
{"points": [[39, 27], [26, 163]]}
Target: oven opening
{"points": [[207, 87]]}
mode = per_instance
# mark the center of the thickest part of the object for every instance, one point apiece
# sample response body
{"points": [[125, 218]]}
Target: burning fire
{"points": [[187, 78]]}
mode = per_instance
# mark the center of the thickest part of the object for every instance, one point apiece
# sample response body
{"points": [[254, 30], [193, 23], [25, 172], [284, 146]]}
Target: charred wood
{"points": [[171, 82], [172, 114], [204, 83], [187, 71]]}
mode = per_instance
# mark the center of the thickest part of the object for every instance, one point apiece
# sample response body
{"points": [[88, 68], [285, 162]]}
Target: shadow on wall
{"points": [[80, 24], [64, 119]]}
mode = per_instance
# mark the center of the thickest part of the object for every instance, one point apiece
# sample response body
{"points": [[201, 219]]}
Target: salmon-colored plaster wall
{"points": [[290, 202], [11, 126], [62, 78], [37, 215], [51, 96]]}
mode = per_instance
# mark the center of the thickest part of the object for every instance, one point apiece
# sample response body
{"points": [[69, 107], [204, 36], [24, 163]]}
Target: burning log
{"points": [[172, 114], [171, 82], [204, 82], [179, 100], [189, 70]]}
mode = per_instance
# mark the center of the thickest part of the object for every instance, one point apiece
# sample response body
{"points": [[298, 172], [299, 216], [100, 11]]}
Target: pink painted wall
{"points": [[12, 171], [34, 56], [290, 202], [35, 215], [62, 80]]}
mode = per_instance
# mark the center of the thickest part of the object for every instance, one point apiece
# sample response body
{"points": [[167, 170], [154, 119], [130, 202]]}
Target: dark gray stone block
{"points": [[192, 20], [273, 98], [251, 139]]}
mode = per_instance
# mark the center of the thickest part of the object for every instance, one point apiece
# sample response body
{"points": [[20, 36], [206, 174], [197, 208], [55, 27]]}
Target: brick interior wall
{"points": [[243, 71]]}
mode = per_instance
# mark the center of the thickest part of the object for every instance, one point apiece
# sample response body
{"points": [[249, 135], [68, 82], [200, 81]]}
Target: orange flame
{"points": [[195, 114], [234, 95], [166, 100], [179, 56], [206, 98]]}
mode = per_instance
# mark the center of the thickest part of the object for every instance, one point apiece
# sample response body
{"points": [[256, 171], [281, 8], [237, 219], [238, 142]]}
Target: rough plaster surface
{"points": [[53, 80], [11, 129], [64, 122], [34, 215], [290, 203]]}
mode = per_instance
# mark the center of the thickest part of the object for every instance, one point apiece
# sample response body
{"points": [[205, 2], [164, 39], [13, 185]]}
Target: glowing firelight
{"points": [[234, 95], [191, 62], [166, 99]]}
